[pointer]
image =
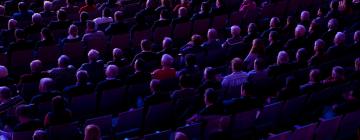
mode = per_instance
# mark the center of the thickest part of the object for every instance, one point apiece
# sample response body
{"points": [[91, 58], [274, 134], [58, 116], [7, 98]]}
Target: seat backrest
{"points": [[99, 44], [27, 135], [74, 50], [192, 131], [201, 26], [21, 58], [103, 122], [269, 117], [243, 123], [161, 32], [137, 36], [304, 132], [64, 132], [129, 120], [327, 129], [49, 54], [159, 117], [120, 41], [28, 90], [44, 108], [282, 136], [235, 18], [182, 30], [219, 22], [83, 106], [113, 100], [293, 107], [214, 123], [164, 135], [348, 126]]}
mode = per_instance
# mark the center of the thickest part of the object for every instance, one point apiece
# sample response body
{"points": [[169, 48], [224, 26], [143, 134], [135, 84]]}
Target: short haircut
{"points": [[315, 75], [61, 15], [118, 15], [167, 60], [36, 18], [84, 16], [58, 103], [236, 64], [36, 66], [111, 71], [3, 71], [64, 61], [260, 64], [91, 24], [24, 111], [5, 92], [82, 76], [146, 45], [235, 30], [93, 55], [283, 57]]}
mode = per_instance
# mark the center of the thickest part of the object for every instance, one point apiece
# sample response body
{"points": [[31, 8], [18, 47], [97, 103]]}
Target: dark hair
{"points": [[140, 64], [146, 45], [84, 16], [211, 95], [24, 111], [58, 104], [185, 80], [5, 92], [89, 2], [247, 87], [22, 6], [274, 35], [334, 4], [260, 63], [291, 82], [46, 33], [211, 73], [61, 15], [165, 14], [90, 24]]}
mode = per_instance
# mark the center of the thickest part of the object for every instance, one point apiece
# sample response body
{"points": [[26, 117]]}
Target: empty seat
{"points": [[200, 26], [83, 106], [103, 122], [113, 100], [192, 131], [182, 31], [327, 129], [164, 135], [48, 55], [159, 117], [282, 136], [243, 124], [348, 126], [219, 22], [304, 132], [292, 109], [129, 123], [27, 135], [64, 132], [120, 41]]}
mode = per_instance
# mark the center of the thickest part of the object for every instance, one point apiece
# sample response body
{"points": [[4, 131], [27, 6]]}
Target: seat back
{"points": [[292, 108], [137, 36], [21, 58], [49, 55], [182, 30], [304, 132], [99, 44], [75, 51], [161, 32], [64, 132], [192, 131], [269, 117], [59, 34], [201, 26], [159, 117], [129, 120], [219, 22], [348, 126], [27, 135], [164, 135], [214, 123], [103, 122], [282, 136], [235, 18], [28, 90], [243, 123], [83, 106], [327, 129], [121, 41], [113, 100]]}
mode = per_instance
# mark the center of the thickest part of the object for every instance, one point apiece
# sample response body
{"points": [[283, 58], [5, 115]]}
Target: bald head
{"points": [[35, 66], [300, 31], [167, 60], [48, 6], [36, 18], [117, 53], [305, 16], [3, 71], [111, 71], [63, 61], [274, 22]]}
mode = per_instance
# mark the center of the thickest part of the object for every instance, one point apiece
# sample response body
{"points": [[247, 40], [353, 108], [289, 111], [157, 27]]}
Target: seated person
{"points": [[64, 74], [62, 23], [140, 76], [21, 43], [26, 121], [210, 80], [5, 94], [118, 58], [94, 67], [166, 72], [147, 55], [351, 102], [235, 39], [337, 77], [156, 96], [92, 132], [203, 13], [290, 90], [168, 48], [314, 83], [193, 46], [191, 69], [47, 91], [117, 27], [59, 114], [82, 86], [110, 81], [73, 35], [282, 65]]}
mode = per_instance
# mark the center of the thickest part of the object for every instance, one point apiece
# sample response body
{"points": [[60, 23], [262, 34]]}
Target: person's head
{"points": [[259, 64], [167, 60], [106, 12], [291, 82], [117, 54], [339, 38], [209, 73], [210, 97], [89, 2], [274, 22], [92, 132], [184, 1], [257, 47], [5, 94], [185, 81], [314, 25], [93, 55], [190, 60], [319, 46], [357, 36], [212, 34], [40, 135], [3, 72], [235, 30], [73, 30], [46, 85], [314, 75], [290, 20], [167, 43], [84, 16], [2, 10], [20, 34], [155, 85], [90, 26], [196, 40], [23, 113], [180, 136], [357, 64], [36, 18], [63, 61], [236, 64], [139, 65], [111, 71], [46, 34], [48, 5], [273, 36], [205, 7], [219, 3], [61, 15], [12, 24], [246, 89], [58, 103], [165, 14], [338, 73], [182, 12], [301, 55], [36, 66], [146, 45], [252, 28], [282, 58], [22, 7], [82, 76], [333, 24], [300, 31], [150, 4], [321, 12], [118, 16], [166, 3], [334, 5], [305, 16]]}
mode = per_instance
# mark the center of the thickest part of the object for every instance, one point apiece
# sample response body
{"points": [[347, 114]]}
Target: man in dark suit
{"points": [[314, 83], [23, 16], [182, 16], [82, 86], [156, 97], [150, 58], [47, 91], [282, 65], [3, 19], [8, 35], [21, 43], [64, 74], [338, 49], [95, 67], [118, 27], [62, 22], [35, 75], [110, 81]]}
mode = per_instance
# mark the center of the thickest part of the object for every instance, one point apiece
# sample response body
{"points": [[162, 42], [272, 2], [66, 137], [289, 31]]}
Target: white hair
{"points": [[305, 15], [167, 41], [339, 38], [283, 57], [3, 71], [93, 54], [46, 84], [300, 31], [167, 60], [111, 71], [36, 18], [235, 30], [35, 65], [212, 33], [12, 23], [48, 5], [117, 52]]}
